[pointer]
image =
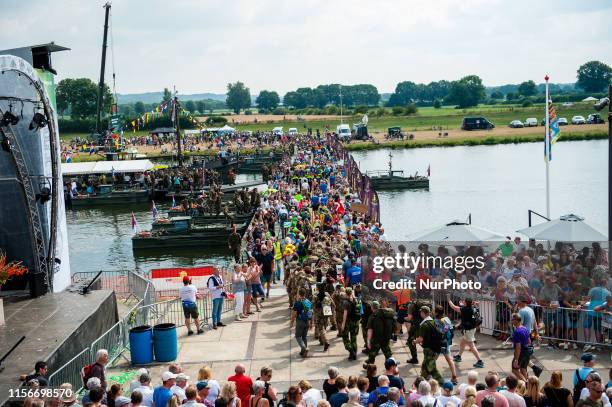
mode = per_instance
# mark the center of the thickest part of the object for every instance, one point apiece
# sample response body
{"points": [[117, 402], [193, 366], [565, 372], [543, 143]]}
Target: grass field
{"points": [[427, 117]]}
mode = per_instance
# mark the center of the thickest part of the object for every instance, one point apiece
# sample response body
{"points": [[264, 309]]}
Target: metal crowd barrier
{"points": [[116, 281], [553, 324]]}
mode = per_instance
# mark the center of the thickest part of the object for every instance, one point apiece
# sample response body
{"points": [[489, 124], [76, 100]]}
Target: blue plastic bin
{"points": [[141, 345], [165, 343]]}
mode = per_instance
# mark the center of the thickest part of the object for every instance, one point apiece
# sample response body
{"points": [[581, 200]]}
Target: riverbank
{"points": [[454, 140]]}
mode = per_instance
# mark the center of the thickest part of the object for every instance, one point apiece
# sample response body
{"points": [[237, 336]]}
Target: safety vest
{"points": [[277, 251]]}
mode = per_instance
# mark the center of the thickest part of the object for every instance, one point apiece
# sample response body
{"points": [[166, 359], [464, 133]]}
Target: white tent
{"points": [[227, 129], [568, 228], [106, 167], [589, 99], [459, 232]]}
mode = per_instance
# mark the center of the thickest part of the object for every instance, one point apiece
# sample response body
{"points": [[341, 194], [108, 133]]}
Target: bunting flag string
{"points": [[162, 108]]}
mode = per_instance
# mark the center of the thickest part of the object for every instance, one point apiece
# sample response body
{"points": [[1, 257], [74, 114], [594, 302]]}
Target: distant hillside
{"points": [[156, 97]]}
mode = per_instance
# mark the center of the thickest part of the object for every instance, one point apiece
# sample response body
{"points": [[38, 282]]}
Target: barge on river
{"points": [[181, 231], [395, 179]]}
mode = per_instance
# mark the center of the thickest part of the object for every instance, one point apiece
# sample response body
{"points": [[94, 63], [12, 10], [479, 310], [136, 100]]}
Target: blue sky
{"points": [[200, 46]]}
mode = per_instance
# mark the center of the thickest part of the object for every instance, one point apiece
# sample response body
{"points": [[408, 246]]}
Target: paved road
{"points": [[266, 340]]}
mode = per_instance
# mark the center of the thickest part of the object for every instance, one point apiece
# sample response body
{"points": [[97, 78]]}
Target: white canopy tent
{"points": [[226, 129], [105, 167], [568, 228], [458, 232], [589, 99]]}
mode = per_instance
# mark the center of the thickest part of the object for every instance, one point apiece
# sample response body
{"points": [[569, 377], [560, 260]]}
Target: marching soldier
{"points": [[351, 315], [338, 297], [414, 321], [323, 310], [234, 242]]}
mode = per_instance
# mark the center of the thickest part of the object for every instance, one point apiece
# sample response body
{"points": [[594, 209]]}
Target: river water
{"points": [[496, 184]]}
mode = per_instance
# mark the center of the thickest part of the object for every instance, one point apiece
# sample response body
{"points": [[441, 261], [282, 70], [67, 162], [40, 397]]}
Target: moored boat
{"points": [[395, 179], [108, 195]]}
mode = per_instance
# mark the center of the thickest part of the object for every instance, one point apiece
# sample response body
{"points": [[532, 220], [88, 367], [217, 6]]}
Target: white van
{"points": [[292, 131], [343, 131], [277, 131]]}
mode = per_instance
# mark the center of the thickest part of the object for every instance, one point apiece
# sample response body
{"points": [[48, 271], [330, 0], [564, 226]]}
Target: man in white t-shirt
{"points": [[179, 388], [447, 395], [146, 390], [189, 294]]}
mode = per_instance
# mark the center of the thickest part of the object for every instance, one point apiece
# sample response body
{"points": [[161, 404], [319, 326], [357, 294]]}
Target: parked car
{"points": [[277, 131], [292, 131], [578, 120], [531, 122], [515, 124], [567, 104], [476, 123], [343, 131], [595, 118], [561, 120]]}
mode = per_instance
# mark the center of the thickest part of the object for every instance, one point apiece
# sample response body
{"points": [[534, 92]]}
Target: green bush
{"points": [[361, 109], [279, 110], [248, 112], [331, 109], [526, 103], [397, 110], [437, 104], [411, 108]]}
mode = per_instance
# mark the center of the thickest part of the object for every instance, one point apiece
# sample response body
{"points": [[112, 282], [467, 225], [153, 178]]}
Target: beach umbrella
{"points": [[568, 228], [457, 231]]}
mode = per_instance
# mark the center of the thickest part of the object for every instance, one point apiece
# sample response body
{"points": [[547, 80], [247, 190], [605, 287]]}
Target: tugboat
{"points": [[395, 179]]}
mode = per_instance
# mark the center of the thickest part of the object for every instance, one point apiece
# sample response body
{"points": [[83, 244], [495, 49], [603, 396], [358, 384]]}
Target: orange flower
{"points": [[10, 270]]}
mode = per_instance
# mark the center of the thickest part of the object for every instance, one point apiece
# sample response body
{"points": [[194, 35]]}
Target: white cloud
{"points": [[201, 45]]}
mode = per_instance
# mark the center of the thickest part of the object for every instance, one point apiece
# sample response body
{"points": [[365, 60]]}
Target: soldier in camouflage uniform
{"points": [[338, 297], [351, 315], [292, 276], [322, 304], [426, 328], [414, 319]]}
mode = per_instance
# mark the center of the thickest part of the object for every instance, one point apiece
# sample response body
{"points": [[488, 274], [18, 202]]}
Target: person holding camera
{"points": [[216, 287]]}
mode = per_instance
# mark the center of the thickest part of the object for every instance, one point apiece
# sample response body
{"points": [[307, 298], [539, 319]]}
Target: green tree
{"points": [[190, 106], [200, 106], [527, 88], [139, 107], [267, 100], [167, 95], [81, 95], [411, 108], [497, 95], [594, 76], [467, 91], [405, 92], [238, 97], [437, 104], [512, 96]]}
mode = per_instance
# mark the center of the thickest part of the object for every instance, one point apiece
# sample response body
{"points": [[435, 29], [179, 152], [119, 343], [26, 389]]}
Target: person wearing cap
{"points": [[162, 394], [189, 293], [392, 372], [145, 389], [447, 395], [202, 394], [427, 330], [179, 388], [581, 374], [122, 401], [68, 397]]}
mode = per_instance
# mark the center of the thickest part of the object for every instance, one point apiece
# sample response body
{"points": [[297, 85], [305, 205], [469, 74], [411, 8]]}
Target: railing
{"points": [[116, 281], [357, 181], [146, 312], [556, 325]]}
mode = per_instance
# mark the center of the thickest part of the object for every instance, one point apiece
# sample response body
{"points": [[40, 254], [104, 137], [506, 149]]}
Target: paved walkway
{"points": [[266, 340]]}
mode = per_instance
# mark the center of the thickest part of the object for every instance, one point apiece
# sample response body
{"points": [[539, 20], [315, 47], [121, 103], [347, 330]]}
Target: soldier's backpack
{"points": [[384, 324], [434, 339]]}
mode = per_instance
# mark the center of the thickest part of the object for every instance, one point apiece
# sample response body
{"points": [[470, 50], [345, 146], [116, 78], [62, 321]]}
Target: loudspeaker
{"points": [[38, 285]]}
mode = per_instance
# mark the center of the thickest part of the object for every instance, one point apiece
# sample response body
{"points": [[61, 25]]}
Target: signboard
{"points": [[359, 208], [171, 279]]}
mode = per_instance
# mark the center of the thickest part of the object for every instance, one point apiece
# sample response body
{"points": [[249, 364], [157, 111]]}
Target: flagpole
{"points": [[547, 147]]}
